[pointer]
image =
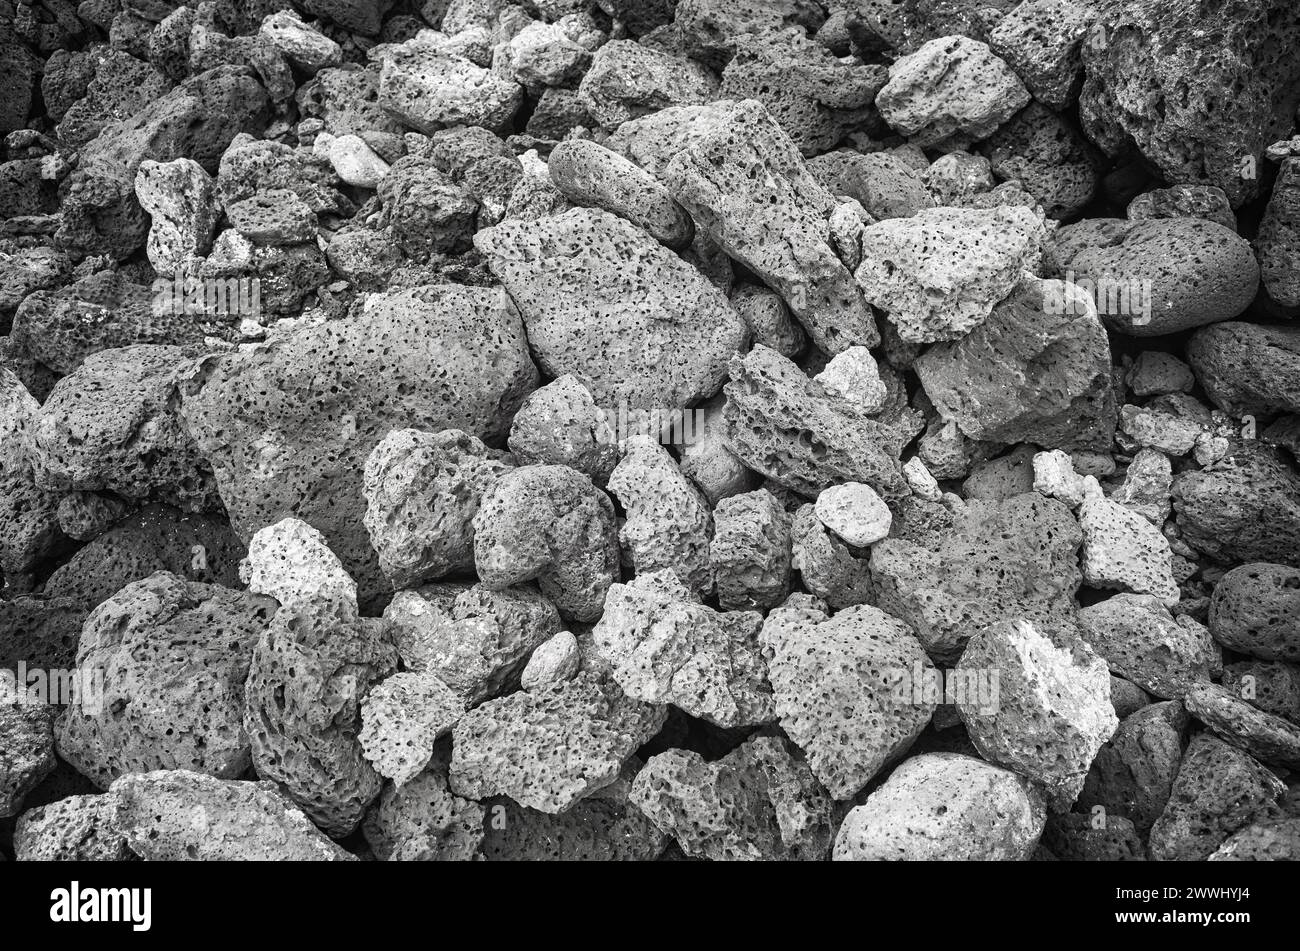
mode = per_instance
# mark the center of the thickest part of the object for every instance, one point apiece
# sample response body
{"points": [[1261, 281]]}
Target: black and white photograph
{"points": [[650, 431]]}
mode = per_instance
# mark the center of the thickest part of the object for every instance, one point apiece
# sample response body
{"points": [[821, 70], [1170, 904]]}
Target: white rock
{"points": [[855, 376], [306, 48], [355, 162], [291, 562], [553, 661], [923, 485], [1121, 549], [1054, 476], [854, 512]]}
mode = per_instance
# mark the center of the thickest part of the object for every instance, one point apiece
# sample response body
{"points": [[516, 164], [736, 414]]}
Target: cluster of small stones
{"points": [[625, 430]]}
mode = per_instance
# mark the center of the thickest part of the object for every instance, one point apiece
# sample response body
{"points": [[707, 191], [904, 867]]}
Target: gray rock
{"points": [[424, 819], [1255, 609], [560, 424], [177, 815], [999, 561], [668, 524], [1141, 641], [1219, 790], [1268, 738], [759, 802], [591, 175], [945, 806], [554, 660], [663, 647], [790, 429], [750, 551], [743, 181], [551, 524], [173, 656], [428, 89], [662, 319], [402, 718], [951, 90], [1134, 773], [1184, 201], [1032, 372], [27, 738], [1157, 276], [1248, 369], [1052, 711], [885, 185], [1040, 40], [1123, 550], [550, 748], [180, 199], [627, 80], [278, 445], [422, 492], [76, 829], [475, 640], [939, 273], [841, 688]]}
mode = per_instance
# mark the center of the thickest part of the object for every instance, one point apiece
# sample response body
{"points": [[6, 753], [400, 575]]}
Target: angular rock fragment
{"points": [[1219, 790], [560, 424], [999, 561], [401, 720], [1133, 774], [1255, 610], [843, 692], [662, 334], [1268, 738], [178, 815], [1123, 550], [750, 551], [282, 441], [952, 90], [550, 748], [428, 89], [759, 802], [744, 182], [1248, 369], [1032, 372], [662, 647], [945, 806], [422, 493], [790, 429], [76, 829], [1053, 709], [627, 79], [425, 820], [1141, 641], [27, 742], [667, 524], [557, 659], [939, 273]]}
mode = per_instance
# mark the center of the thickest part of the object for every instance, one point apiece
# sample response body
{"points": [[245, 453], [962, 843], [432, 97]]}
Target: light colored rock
{"points": [[1121, 549], [355, 162], [555, 660], [401, 719], [291, 562], [854, 376], [854, 512]]}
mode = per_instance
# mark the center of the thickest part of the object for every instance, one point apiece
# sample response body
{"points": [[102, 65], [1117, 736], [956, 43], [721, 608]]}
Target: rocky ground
{"points": [[965, 525]]}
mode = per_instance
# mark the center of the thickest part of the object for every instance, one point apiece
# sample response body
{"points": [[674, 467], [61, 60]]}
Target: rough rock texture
{"points": [[424, 819], [27, 739], [1243, 508], [1268, 738], [750, 551], [547, 750], [846, 689], [1032, 372], [627, 80], [173, 656], [309, 676], [664, 333], [1134, 772], [999, 561], [422, 492], [177, 815], [1255, 610], [744, 182], [428, 89], [662, 647], [474, 639], [938, 274], [1121, 549], [1159, 275], [1052, 710], [551, 524], [281, 443], [1196, 103], [1141, 641], [945, 806], [76, 829], [1218, 791], [667, 521], [759, 802], [402, 718], [1248, 368], [790, 429]]}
